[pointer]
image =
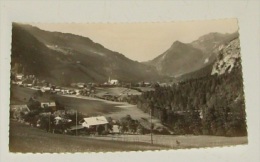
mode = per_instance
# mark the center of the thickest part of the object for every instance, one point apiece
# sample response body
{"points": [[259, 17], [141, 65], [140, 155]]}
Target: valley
{"points": [[77, 90]]}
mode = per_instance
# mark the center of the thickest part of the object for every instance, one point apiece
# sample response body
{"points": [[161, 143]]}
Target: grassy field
{"points": [[20, 95], [24, 138], [116, 91], [185, 141]]}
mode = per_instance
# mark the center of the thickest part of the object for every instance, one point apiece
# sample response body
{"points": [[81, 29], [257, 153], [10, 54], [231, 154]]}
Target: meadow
{"points": [[26, 139]]}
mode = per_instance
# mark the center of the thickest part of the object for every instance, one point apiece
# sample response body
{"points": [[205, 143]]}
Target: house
{"points": [[94, 121], [77, 91], [19, 83], [97, 124], [29, 85], [144, 84], [80, 85], [115, 129], [19, 76], [57, 89], [49, 105], [112, 81], [43, 89]]}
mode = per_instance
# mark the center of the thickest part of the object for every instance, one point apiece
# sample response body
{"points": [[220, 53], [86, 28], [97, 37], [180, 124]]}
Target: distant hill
{"points": [[185, 58], [62, 58]]}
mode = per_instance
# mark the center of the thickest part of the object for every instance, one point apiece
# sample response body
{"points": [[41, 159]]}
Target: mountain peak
{"points": [[211, 36], [177, 44]]}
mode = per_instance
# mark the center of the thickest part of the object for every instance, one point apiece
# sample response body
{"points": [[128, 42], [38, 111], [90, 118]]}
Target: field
{"points": [[24, 138], [20, 95], [116, 91], [185, 141]]}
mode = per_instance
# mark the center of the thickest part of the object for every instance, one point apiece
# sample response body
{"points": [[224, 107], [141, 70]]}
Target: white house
{"points": [[57, 90], [115, 129], [19, 83], [80, 85], [19, 76], [45, 89], [112, 81], [48, 104], [94, 121]]}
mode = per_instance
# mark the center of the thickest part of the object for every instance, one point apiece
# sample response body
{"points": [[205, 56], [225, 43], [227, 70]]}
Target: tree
{"points": [[33, 104]]}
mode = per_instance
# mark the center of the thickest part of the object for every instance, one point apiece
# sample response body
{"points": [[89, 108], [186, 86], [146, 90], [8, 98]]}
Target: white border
{"points": [[247, 12]]}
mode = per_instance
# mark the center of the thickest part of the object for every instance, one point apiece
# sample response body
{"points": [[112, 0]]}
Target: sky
{"points": [[142, 41]]}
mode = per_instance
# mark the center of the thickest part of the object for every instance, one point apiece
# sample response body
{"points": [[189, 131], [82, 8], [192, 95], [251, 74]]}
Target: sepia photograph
{"points": [[107, 87]]}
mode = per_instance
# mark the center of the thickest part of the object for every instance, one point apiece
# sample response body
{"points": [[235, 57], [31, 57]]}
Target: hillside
{"points": [[180, 58], [63, 58], [187, 58], [205, 71], [26, 139]]}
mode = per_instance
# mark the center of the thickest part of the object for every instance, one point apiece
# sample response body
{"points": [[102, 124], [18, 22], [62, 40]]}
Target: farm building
{"points": [[94, 121], [97, 124]]}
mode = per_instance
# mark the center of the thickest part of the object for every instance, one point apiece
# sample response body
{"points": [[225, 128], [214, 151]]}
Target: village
{"points": [[40, 111]]}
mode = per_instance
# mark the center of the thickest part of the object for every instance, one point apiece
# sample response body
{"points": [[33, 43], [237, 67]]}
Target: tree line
{"points": [[211, 105]]}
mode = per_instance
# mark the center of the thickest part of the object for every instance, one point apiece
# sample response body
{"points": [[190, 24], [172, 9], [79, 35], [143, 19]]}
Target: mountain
{"points": [[63, 58], [186, 58], [228, 58], [205, 71], [180, 58], [210, 43]]}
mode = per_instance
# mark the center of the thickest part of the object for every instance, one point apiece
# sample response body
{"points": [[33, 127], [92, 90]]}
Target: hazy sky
{"points": [[143, 41]]}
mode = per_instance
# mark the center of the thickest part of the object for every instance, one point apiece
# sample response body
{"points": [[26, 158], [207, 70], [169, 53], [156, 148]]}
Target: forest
{"points": [[211, 105]]}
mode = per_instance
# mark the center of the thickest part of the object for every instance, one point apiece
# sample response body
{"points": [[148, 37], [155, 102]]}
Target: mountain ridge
{"points": [[75, 58], [186, 58], [72, 58]]}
